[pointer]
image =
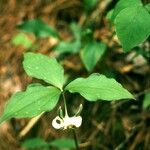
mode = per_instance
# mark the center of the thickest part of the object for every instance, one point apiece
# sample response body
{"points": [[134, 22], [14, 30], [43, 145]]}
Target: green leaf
{"points": [[90, 4], [91, 53], [146, 102], [68, 47], [74, 45], [38, 28], [63, 143], [32, 102], [110, 14], [22, 39], [132, 26], [98, 87], [122, 4], [35, 143], [76, 30], [45, 68]]}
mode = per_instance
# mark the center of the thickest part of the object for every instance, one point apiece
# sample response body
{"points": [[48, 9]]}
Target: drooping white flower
{"points": [[66, 122]]}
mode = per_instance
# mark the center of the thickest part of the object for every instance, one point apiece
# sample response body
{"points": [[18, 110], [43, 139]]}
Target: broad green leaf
{"points": [[91, 53], [35, 143], [98, 87], [22, 39], [68, 47], [32, 102], [45, 68], [132, 26], [146, 102], [122, 4], [63, 143], [38, 28]]}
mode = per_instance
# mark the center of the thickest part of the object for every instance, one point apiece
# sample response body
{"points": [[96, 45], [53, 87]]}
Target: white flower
{"points": [[67, 122]]}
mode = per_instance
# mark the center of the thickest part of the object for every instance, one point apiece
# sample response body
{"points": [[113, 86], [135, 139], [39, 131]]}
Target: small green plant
{"points": [[82, 41], [38, 99], [23, 40], [38, 143]]}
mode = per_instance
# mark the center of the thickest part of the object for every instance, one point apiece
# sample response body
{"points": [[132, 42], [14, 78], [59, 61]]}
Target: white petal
{"points": [[72, 121], [77, 121], [57, 123]]}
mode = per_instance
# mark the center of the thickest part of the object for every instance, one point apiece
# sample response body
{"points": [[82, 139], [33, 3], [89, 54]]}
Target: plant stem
{"points": [[73, 130], [75, 139], [65, 105]]}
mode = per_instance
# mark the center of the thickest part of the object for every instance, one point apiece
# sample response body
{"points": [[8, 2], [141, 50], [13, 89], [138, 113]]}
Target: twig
{"points": [[122, 144], [85, 144], [30, 124]]}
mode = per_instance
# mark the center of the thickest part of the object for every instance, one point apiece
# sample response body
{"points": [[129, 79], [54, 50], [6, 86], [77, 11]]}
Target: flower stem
{"points": [[75, 139], [73, 130], [65, 105]]}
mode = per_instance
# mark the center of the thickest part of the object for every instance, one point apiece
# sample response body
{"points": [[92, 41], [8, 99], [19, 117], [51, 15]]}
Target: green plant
{"points": [[132, 23], [38, 99], [130, 18], [22, 39], [39, 28], [39, 143], [82, 41], [146, 101]]}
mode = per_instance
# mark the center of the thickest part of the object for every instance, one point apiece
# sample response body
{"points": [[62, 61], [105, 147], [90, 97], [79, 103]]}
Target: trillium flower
{"points": [[67, 122]]}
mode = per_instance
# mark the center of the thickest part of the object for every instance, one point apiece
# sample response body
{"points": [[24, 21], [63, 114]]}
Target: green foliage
{"points": [[98, 87], [109, 15], [132, 26], [90, 4], [36, 143], [45, 68], [76, 30], [63, 143], [132, 23], [72, 46], [38, 99], [146, 102], [68, 47], [92, 50], [22, 39], [91, 53], [38, 28], [122, 4], [32, 102]]}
